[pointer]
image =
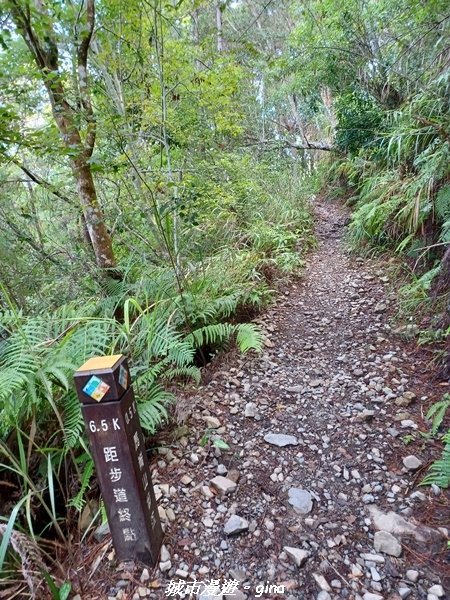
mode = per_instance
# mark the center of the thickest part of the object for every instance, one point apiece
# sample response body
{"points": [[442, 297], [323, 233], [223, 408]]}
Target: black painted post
{"points": [[109, 410]]}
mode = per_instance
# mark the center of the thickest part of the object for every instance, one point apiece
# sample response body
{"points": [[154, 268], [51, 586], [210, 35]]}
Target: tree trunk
{"points": [[42, 43], [93, 215], [219, 27]]}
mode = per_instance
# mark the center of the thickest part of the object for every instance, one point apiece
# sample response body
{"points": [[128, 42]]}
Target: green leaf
{"points": [[65, 590], [219, 443], [8, 531]]}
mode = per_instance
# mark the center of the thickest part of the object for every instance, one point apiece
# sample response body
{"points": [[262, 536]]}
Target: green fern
{"points": [[437, 412], [37, 362], [415, 295], [442, 203], [404, 184], [40, 355], [248, 336], [153, 409], [73, 420], [439, 472]]}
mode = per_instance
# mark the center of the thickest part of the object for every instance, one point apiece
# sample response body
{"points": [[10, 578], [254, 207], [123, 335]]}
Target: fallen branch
{"points": [[283, 143]]}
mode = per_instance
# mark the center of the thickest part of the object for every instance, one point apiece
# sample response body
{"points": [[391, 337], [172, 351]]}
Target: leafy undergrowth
{"points": [[167, 320], [395, 175]]}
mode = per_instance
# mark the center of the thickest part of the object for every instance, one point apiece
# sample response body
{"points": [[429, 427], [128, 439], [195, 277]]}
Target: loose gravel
{"points": [[318, 493]]}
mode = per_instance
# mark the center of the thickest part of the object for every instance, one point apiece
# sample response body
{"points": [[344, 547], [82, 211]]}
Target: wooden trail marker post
{"points": [[110, 414]]}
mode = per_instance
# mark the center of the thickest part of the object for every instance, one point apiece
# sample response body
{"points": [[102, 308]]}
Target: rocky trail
{"points": [[318, 495]]}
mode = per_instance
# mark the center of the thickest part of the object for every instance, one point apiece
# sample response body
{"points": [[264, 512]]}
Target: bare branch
{"points": [[42, 182], [83, 84], [27, 239], [23, 21], [284, 143]]}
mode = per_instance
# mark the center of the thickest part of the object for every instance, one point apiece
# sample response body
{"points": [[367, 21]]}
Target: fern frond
{"points": [[152, 411], [437, 412], [211, 334], [249, 337], [442, 203], [185, 372], [439, 472], [73, 419]]}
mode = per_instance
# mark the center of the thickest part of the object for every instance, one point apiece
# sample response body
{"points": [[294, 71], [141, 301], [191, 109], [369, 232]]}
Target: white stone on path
{"points": [[165, 554], [280, 439], [297, 555], [322, 582], [235, 525], [388, 544], [212, 422], [250, 410], [301, 500], [437, 590], [377, 558], [223, 484], [412, 575], [412, 463]]}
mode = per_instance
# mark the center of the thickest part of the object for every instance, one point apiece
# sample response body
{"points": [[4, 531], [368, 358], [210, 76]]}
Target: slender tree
{"points": [[76, 125]]}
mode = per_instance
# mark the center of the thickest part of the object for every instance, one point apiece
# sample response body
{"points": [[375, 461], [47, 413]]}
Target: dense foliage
{"points": [[156, 160], [137, 216], [386, 66]]}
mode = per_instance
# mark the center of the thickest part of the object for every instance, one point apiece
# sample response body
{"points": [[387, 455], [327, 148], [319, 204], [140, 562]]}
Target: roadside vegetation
{"points": [[157, 163], [138, 217]]}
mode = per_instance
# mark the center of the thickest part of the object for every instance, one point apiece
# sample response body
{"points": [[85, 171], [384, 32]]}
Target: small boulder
{"points": [[388, 544], [280, 439], [223, 484], [322, 582], [297, 555], [412, 463], [301, 500], [212, 422], [437, 590], [380, 307], [412, 575], [235, 525], [250, 410]]}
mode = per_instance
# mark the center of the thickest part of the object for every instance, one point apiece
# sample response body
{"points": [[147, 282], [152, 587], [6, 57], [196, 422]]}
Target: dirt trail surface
{"points": [[318, 495]]}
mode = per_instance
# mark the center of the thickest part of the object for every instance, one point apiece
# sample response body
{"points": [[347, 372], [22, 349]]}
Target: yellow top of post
{"points": [[100, 362]]}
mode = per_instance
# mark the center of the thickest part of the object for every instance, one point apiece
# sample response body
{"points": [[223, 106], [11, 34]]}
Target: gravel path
{"points": [[317, 497]]}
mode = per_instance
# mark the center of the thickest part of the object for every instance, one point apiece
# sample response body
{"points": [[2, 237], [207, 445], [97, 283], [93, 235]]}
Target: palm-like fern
{"points": [[401, 191], [248, 336], [38, 358], [40, 355], [439, 472], [437, 412]]}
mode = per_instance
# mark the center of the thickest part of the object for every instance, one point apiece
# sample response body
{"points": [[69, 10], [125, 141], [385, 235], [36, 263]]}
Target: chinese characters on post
{"points": [[110, 413]]}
